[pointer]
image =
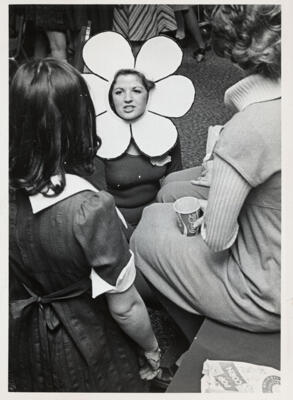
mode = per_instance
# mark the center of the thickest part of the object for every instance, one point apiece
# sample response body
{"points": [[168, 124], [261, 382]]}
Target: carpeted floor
{"points": [[211, 78]]}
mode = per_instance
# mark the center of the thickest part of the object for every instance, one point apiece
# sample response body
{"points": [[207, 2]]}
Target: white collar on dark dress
{"points": [[74, 184]]}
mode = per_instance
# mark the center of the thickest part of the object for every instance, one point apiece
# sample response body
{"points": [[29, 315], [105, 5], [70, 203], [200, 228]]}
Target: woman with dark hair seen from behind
{"points": [[231, 272], [75, 315]]}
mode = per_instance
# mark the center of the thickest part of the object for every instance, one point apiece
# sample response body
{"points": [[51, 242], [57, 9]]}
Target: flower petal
{"points": [[115, 135], [99, 90], [172, 97], [158, 57], [107, 52], [154, 135]]}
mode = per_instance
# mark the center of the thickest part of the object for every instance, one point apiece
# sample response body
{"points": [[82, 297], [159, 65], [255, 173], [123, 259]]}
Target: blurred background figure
{"points": [[51, 23], [87, 20], [57, 31], [137, 23], [187, 21]]}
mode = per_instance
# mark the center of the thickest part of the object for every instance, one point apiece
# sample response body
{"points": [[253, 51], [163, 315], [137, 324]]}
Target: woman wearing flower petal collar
{"points": [[140, 146], [133, 179], [75, 315], [231, 272]]}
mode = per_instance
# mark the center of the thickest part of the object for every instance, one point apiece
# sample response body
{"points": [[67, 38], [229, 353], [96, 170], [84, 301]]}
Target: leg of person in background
{"points": [[178, 184], [187, 174], [180, 33], [40, 45], [57, 42], [193, 27]]}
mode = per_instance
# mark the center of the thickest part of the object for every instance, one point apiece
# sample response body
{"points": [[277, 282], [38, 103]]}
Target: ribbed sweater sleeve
{"points": [[226, 197]]}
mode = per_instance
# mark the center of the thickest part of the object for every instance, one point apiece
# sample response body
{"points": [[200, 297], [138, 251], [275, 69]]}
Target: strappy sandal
{"points": [[199, 54], [164, 377]]}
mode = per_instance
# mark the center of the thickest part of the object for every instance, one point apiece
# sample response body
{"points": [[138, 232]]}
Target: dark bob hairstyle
{"points": [[52, 126], [250, 35], [147, 84]]}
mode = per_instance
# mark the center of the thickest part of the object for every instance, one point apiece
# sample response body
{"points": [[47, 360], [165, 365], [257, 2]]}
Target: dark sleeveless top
{"points": [[134, 181]]}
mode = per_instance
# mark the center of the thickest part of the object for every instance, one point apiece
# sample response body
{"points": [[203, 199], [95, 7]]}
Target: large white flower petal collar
{"points": [[159, 57]]}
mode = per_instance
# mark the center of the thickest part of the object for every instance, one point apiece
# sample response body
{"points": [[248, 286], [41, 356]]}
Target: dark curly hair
{"points": [[250, 35], [52, 126], [147, 84]]}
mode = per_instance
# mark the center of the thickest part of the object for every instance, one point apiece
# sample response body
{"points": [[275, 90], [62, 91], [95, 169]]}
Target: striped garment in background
{"points": [[141, 22]]}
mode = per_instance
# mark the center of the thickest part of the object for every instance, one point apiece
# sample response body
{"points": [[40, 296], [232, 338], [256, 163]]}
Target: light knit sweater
{"points": [[239, 286], [229, 189]]}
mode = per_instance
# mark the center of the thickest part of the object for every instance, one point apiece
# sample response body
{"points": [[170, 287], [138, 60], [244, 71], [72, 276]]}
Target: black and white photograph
{"points": [[145, 199]]}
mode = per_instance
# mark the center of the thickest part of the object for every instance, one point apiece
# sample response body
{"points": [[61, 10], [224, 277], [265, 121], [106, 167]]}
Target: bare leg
{"points": [[58, 44], [180, 33], [193, 27]]}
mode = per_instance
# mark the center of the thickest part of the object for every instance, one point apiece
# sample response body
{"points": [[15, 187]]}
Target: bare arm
{"points": [[129, 311]]}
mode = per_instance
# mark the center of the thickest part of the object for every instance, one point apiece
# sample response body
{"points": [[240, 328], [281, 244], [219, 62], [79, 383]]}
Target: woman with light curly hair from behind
{"points": [[231, 271]]}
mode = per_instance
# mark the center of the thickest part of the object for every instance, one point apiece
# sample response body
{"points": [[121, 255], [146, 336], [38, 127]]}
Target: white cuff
{"points": [[124, 280]]}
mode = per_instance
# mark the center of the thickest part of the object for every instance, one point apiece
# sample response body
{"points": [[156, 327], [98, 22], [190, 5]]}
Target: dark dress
{"points": [[134, 181], [60, 338], [49, 17]]}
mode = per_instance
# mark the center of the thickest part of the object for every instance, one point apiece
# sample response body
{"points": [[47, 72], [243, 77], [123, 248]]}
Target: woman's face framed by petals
{"points": [[157, 60], [129, 96]]}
